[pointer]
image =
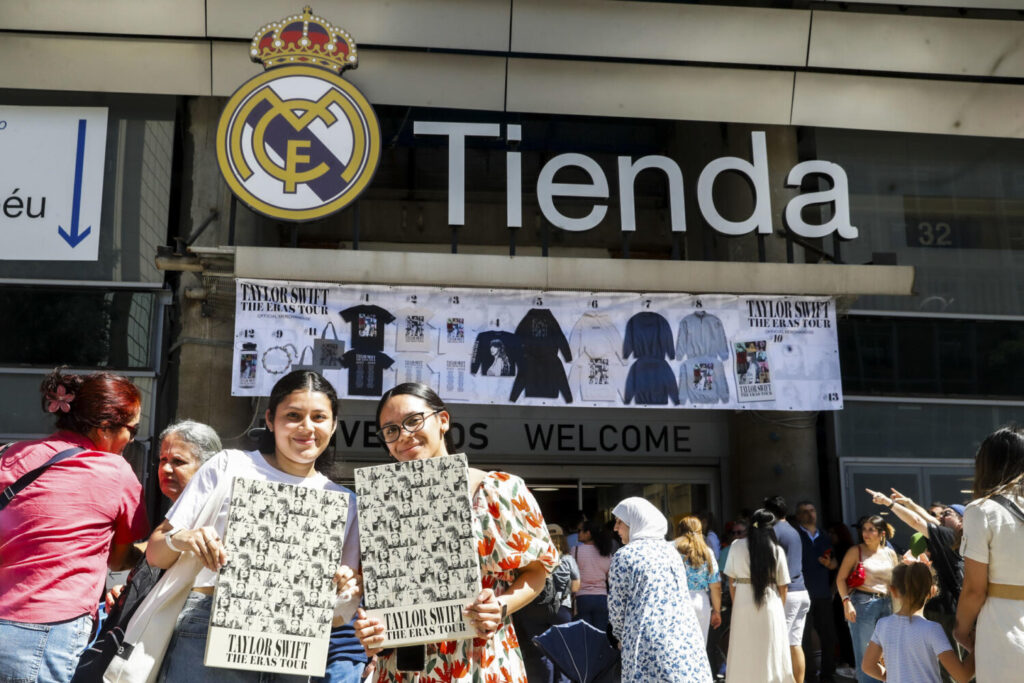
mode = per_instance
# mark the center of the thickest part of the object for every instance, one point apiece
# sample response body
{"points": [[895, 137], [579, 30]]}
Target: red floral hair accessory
{"points": [[59, 400]]}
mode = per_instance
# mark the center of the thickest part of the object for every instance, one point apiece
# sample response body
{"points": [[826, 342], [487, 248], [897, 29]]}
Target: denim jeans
{"points": [[593, 609], [44, 653], [870, 609], [183, 662], [342, 671]]}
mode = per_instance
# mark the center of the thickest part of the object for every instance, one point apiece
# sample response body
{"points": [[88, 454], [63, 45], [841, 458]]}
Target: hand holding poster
{"points": [[274, 599], [419, 557]]}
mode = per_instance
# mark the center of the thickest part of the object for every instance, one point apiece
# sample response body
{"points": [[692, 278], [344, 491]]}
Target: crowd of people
{"points": [[941, 598]]}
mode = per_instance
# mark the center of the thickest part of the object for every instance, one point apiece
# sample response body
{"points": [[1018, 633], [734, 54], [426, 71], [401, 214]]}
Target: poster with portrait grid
{"points": [[419, 555], [274, 599]]}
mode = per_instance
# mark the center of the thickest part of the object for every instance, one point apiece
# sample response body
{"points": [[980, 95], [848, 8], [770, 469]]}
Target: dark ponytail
{"points": [[761, 543]]}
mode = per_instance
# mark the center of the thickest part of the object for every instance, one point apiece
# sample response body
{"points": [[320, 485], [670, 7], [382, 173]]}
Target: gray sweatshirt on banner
{"points": [[701, 334], [702, 380]]}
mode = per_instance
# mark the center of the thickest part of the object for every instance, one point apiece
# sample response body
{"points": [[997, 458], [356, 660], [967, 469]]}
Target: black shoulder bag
{"points": [[23, 482]]}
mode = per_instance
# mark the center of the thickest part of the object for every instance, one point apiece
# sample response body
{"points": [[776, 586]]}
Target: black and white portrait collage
{"points": [[416, 533], [284, 544]]}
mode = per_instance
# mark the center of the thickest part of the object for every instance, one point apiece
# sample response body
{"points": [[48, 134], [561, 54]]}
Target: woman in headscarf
{"points": [[649, 606]]}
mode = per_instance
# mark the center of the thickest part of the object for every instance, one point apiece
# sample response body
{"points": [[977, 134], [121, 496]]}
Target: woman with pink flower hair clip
{"points": [[70, 507]]}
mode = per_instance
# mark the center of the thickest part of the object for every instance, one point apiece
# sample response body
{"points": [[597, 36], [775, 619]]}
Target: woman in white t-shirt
{"points": [[301, 417]]}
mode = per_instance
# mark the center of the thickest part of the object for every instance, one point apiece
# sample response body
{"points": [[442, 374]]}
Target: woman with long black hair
{"points": [[759, 576]]}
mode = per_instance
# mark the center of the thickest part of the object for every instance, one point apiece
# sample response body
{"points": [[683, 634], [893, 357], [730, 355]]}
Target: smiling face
{"points": [[427, 442], [177, 465], [302, 424]]}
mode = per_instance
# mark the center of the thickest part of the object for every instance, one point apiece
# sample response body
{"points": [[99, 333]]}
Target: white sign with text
{"points": [[51, 182]]}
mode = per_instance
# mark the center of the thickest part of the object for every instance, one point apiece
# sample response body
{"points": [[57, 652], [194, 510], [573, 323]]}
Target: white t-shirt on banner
{"points": [[456, 327], [414, 369], [455, 378], [219, 472], [414, 330]]}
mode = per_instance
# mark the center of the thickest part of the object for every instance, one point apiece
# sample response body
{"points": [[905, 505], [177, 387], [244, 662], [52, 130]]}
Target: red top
{"points": [[55, 535]]}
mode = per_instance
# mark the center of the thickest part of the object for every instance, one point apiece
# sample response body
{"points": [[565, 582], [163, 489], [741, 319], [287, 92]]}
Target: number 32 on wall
{"points": [[937, 234]]}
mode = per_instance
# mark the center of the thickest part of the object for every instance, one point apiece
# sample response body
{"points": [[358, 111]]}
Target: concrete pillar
{"points": [[772, 453], [206, 327]]}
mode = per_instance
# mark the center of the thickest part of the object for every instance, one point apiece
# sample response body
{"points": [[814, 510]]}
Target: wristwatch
{"points": [[504, 610]]}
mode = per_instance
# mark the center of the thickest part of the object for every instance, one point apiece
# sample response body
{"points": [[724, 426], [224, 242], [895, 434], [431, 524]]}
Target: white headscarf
{"points": [[644, 520]]}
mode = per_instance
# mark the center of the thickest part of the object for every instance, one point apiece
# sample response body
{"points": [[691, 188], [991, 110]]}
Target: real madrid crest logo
{"points": [[298, 142]]}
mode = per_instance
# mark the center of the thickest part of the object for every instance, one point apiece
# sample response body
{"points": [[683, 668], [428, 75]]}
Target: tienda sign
{"points": [[755, 170]]}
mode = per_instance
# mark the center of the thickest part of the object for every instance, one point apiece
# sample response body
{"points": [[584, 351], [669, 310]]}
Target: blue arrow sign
{"points": [[74, 238]]}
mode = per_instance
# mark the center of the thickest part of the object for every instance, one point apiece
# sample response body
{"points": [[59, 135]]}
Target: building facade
{"points": [[918, 104]]}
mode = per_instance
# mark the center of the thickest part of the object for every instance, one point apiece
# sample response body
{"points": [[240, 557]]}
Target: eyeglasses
{"points": [[389, 433], [133, 430]]}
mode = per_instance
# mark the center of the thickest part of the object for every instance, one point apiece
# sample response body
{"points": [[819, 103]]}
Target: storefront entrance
{"points": [[595, 490]]}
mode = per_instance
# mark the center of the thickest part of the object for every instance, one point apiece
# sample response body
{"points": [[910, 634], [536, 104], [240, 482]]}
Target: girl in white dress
{"points": [[759, 575], [990, 613]]}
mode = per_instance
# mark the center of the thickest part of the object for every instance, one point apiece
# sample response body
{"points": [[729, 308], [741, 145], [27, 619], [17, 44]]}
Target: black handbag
{"points": [[96, 659]]}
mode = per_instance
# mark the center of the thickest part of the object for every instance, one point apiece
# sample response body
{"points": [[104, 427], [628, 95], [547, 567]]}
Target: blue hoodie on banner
{"points": [[648, 336], [651, 382]]}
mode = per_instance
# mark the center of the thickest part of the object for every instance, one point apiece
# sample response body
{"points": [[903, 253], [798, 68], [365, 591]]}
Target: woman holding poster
{"points": [[301, 417], [515, 551]]}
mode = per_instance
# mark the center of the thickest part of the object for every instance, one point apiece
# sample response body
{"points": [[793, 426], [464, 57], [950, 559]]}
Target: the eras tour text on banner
{"points": [[522, 347]]}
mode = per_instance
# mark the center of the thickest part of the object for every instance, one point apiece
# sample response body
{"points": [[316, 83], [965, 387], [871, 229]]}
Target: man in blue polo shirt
{"points": [[818, 561]]}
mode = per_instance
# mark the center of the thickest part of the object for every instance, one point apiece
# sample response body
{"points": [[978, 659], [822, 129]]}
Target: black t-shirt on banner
{"points": [[367, 326], [366, 372]]}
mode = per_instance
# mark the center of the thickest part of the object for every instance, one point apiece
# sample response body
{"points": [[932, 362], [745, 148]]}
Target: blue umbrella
{"points": [[580, 651]]}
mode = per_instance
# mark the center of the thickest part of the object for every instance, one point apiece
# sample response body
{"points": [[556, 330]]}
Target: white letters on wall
{"points": [[547, 189], [838, 196], [627, 176], [755, 171]]}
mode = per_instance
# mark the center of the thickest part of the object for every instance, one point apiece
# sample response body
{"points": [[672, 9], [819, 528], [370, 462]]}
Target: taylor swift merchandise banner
{"points": [[528, 347], [274, 599], [419, 553]]}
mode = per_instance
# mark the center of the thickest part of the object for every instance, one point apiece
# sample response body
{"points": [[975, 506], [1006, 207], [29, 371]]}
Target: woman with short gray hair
{"points": [[184, 446]]}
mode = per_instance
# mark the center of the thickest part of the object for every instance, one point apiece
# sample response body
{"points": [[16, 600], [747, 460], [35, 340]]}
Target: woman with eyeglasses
{"points": [[60, 533], [301, 417], [515, 551]]}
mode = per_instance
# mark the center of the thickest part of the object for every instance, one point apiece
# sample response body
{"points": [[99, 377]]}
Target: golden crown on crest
{"points": [[304, 39]]}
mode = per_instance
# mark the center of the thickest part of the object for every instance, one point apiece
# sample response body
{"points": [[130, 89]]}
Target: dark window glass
{"points": [[82, 328], [932, 356]]}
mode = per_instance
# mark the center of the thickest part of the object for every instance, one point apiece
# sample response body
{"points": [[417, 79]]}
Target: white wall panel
{"points": [[453, 24], [649, 91], [121, 17], [129, 65], [933, 45], [392, 77], [658, 30], [909, 105]]}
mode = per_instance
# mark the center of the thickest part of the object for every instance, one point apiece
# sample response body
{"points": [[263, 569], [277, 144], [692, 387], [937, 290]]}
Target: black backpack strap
{"points": [[29, 477], [1012, 507]]}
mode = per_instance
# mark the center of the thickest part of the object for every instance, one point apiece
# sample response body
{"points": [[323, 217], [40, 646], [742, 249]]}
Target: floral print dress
{"points": [[510, 533], [650, 612]]}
